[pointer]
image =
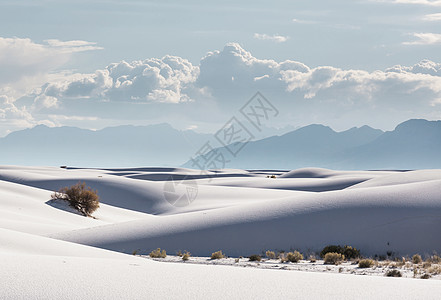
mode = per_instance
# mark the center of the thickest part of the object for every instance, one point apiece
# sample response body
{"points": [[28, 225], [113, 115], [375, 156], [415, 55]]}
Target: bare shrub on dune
{"points": [[393, 273], [217, 255], [158, 253], [416, 259], [186, 256], [366, 263], [270, 254], [332, 258], [255, 257], [80, 197]]}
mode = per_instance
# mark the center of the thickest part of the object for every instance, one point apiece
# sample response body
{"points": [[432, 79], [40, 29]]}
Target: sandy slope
{"points": [[240, 212]]}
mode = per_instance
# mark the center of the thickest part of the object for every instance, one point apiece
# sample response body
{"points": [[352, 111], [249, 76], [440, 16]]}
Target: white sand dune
{"points": [[240, 212]]}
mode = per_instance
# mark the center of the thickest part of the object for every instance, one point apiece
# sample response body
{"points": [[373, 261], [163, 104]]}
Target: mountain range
{"points": [[414, 144]]}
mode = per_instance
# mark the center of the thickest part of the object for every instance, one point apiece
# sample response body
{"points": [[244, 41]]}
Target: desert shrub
{"points": [[270, 254], [425, 276], [393, 273], [365, 263], [158, 253], [294, 257], [434, 259], [186, 256], [255, 257], [179, 253], [80, 197], [333, 258], [217, 255], [416, 259], [312, 258], [348, 251], [273, 176]]}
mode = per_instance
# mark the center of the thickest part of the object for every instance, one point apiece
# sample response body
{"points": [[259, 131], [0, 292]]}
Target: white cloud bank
{"points": [[432, 17], [425, 39], [417, 2], [224, 80], [274, 38]]}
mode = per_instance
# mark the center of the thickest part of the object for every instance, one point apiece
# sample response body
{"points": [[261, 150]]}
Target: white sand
{"points": [[239, 212]]}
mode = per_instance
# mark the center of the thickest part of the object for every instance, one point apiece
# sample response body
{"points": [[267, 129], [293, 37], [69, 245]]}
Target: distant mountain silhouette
{"points": [[122, 146], [414, 144]]}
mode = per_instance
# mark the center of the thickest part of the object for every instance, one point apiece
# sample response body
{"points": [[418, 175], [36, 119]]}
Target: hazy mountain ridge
{"points": [[119, 146], [413, 144]]}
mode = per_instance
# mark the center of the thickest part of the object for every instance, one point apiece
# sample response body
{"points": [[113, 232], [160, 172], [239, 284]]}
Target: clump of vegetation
{"points": [[366, 263], [186, 256], [348, 251], [416, 259], [393, 273], [217, 255], [270, 254], [293, 257], [425, 276], [434, 259], [255, 257], [158, 253], [333, 258], [312, 258], [80, 197], [179, 253]]}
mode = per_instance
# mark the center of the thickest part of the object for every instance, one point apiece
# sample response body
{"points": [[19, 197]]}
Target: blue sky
{"points": [[367, 62]]}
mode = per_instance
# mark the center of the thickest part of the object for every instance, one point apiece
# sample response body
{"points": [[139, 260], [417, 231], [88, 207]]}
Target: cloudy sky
{"points": [[194, 64]]}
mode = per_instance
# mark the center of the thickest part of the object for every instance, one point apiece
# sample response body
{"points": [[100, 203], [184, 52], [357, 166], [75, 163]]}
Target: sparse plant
{"points": [[217, 255], [273, 176], [434, 259], [179, 253], [158, 253], [135, 252], [416, 259], [393, 273], [425, 276], [333, 258], [312, 258], [80, 197], [236, 260], [270, 254], [255, 257], [366, 263], [186, 256], [294, 257], [348, 251]]}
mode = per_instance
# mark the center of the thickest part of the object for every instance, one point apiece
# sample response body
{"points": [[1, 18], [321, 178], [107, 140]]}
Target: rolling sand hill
{"points": [[45, 247]]}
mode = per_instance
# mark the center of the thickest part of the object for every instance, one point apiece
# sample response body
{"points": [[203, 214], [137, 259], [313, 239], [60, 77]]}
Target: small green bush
{"points": [[393, 273], [416, 259], [217, 255], [186, 256], [158, 253], [255, 257], [333, 258], [78, 196], [270, 254], [366, 263]]}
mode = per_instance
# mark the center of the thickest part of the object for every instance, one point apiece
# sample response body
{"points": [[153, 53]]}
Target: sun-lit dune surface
{"points": [[240, 212]]}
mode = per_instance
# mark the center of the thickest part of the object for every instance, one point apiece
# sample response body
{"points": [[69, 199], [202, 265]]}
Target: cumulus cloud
{"points": [[417, 2], [160, 80], [432, 17], [225, 79], [274, 38], [425, 39], [25, 64]]}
